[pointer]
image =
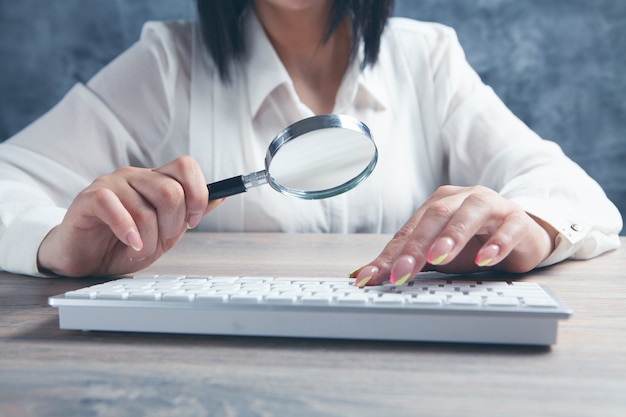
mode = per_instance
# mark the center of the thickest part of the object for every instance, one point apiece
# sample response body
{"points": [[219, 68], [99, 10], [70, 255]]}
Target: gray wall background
{"points": [[560, 65]]}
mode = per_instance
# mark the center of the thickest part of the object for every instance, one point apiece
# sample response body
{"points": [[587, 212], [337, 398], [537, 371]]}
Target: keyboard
{"points": [[427, 310]]}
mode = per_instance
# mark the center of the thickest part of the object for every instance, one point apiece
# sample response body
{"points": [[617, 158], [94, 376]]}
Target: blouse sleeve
{"points": [[119, 118], [488, 145]]}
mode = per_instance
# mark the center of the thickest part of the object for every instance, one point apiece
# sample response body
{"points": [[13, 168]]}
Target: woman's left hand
{"points": [[461, 230]]}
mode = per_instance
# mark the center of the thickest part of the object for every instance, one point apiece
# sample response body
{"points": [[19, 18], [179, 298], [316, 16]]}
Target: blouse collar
{"points": [[264, 72]]}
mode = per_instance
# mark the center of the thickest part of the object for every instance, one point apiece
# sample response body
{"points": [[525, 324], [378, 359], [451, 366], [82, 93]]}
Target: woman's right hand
{"points": [[462, 230], [125, 221]]}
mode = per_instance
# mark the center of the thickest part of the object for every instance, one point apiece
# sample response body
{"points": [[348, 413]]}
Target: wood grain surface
{"points": [[45, 371]]}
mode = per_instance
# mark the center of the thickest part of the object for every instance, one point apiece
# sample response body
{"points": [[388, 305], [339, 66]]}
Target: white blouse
{"points": [[432, 118]]}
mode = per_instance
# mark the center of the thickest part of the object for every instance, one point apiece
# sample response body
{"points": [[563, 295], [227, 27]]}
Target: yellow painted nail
{"points": [[439, 259], [362, 283], [487, 255], [352, 274], [403, 280], [484, 262]]}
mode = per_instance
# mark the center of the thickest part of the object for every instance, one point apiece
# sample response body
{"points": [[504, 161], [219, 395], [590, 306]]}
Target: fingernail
{"points": [[440, 250], [486, 255], [402, 270], [217, 202], [194, 220], [134, 240], [365, 276], [354, 272]]}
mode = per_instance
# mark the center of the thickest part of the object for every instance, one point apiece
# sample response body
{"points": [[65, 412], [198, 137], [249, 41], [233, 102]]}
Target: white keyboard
{"points": [[435, 310]]}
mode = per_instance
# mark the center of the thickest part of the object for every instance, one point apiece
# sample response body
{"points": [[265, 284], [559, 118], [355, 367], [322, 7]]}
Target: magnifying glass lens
{"points": [[321, 160]]}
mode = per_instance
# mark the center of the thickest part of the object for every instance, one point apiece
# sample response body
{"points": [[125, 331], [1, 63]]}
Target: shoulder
{"points": [[168, 30], [413, 35], [170, 40], [420, 45], [417, 28], [401, 27]]}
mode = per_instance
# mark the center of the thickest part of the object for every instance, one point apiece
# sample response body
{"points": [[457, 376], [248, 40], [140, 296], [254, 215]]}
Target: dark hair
{"points": [[222, 20]]}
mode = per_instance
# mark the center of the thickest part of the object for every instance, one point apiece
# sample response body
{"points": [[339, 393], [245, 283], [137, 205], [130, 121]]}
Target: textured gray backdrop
{"points": [[558, 64]]}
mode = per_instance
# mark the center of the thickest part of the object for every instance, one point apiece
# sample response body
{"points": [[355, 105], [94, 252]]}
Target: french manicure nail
{"points": [[134, 240], [402, 270], [486, 255], [440, 250], [194, 220], [354, 272], [365, 275]]}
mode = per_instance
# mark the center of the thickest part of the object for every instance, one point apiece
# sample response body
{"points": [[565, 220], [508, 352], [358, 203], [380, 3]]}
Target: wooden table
{"points": [[45, 371]]}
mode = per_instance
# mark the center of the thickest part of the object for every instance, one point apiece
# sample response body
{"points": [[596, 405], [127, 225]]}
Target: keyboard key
{"points": [[354, 299], [112, 295], [224, 279], [426, 299], [253, 280], [464, 300], [390, 299], [316, 299], [182, 296], [284, 298], [502, 301], [143, 296], [80, 294], [211, 298], [245, 298], [540, 303]]}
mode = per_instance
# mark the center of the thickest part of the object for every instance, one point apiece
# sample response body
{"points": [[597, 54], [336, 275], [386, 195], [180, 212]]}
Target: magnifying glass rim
{"points": [[324, 121]]}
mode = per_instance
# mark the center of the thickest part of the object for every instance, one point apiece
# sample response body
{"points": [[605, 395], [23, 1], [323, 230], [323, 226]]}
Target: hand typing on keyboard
{"points": [[461, 230]]}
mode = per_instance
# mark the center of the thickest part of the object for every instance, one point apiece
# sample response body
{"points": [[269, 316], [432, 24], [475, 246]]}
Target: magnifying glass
{"points": [[318, 157]]}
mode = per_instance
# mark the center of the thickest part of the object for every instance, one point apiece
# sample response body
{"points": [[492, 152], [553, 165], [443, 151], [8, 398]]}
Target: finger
{"points": [[107, 207], [452, 209], [504, 240], [214, 203], [146, 218], [479, 213], [449, 212], [143, 212], [186, 171], [381, 267], [163, 196]]}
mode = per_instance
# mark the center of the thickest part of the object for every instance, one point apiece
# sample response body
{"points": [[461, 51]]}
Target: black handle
{"points": [[225, 188]]}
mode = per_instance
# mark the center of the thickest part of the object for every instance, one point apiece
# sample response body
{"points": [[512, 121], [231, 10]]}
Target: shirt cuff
{"points": [[21, 240], [571, 231]]}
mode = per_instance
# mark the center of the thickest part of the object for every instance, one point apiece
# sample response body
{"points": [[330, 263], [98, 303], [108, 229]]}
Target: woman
{"points": [[102, 189]]}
